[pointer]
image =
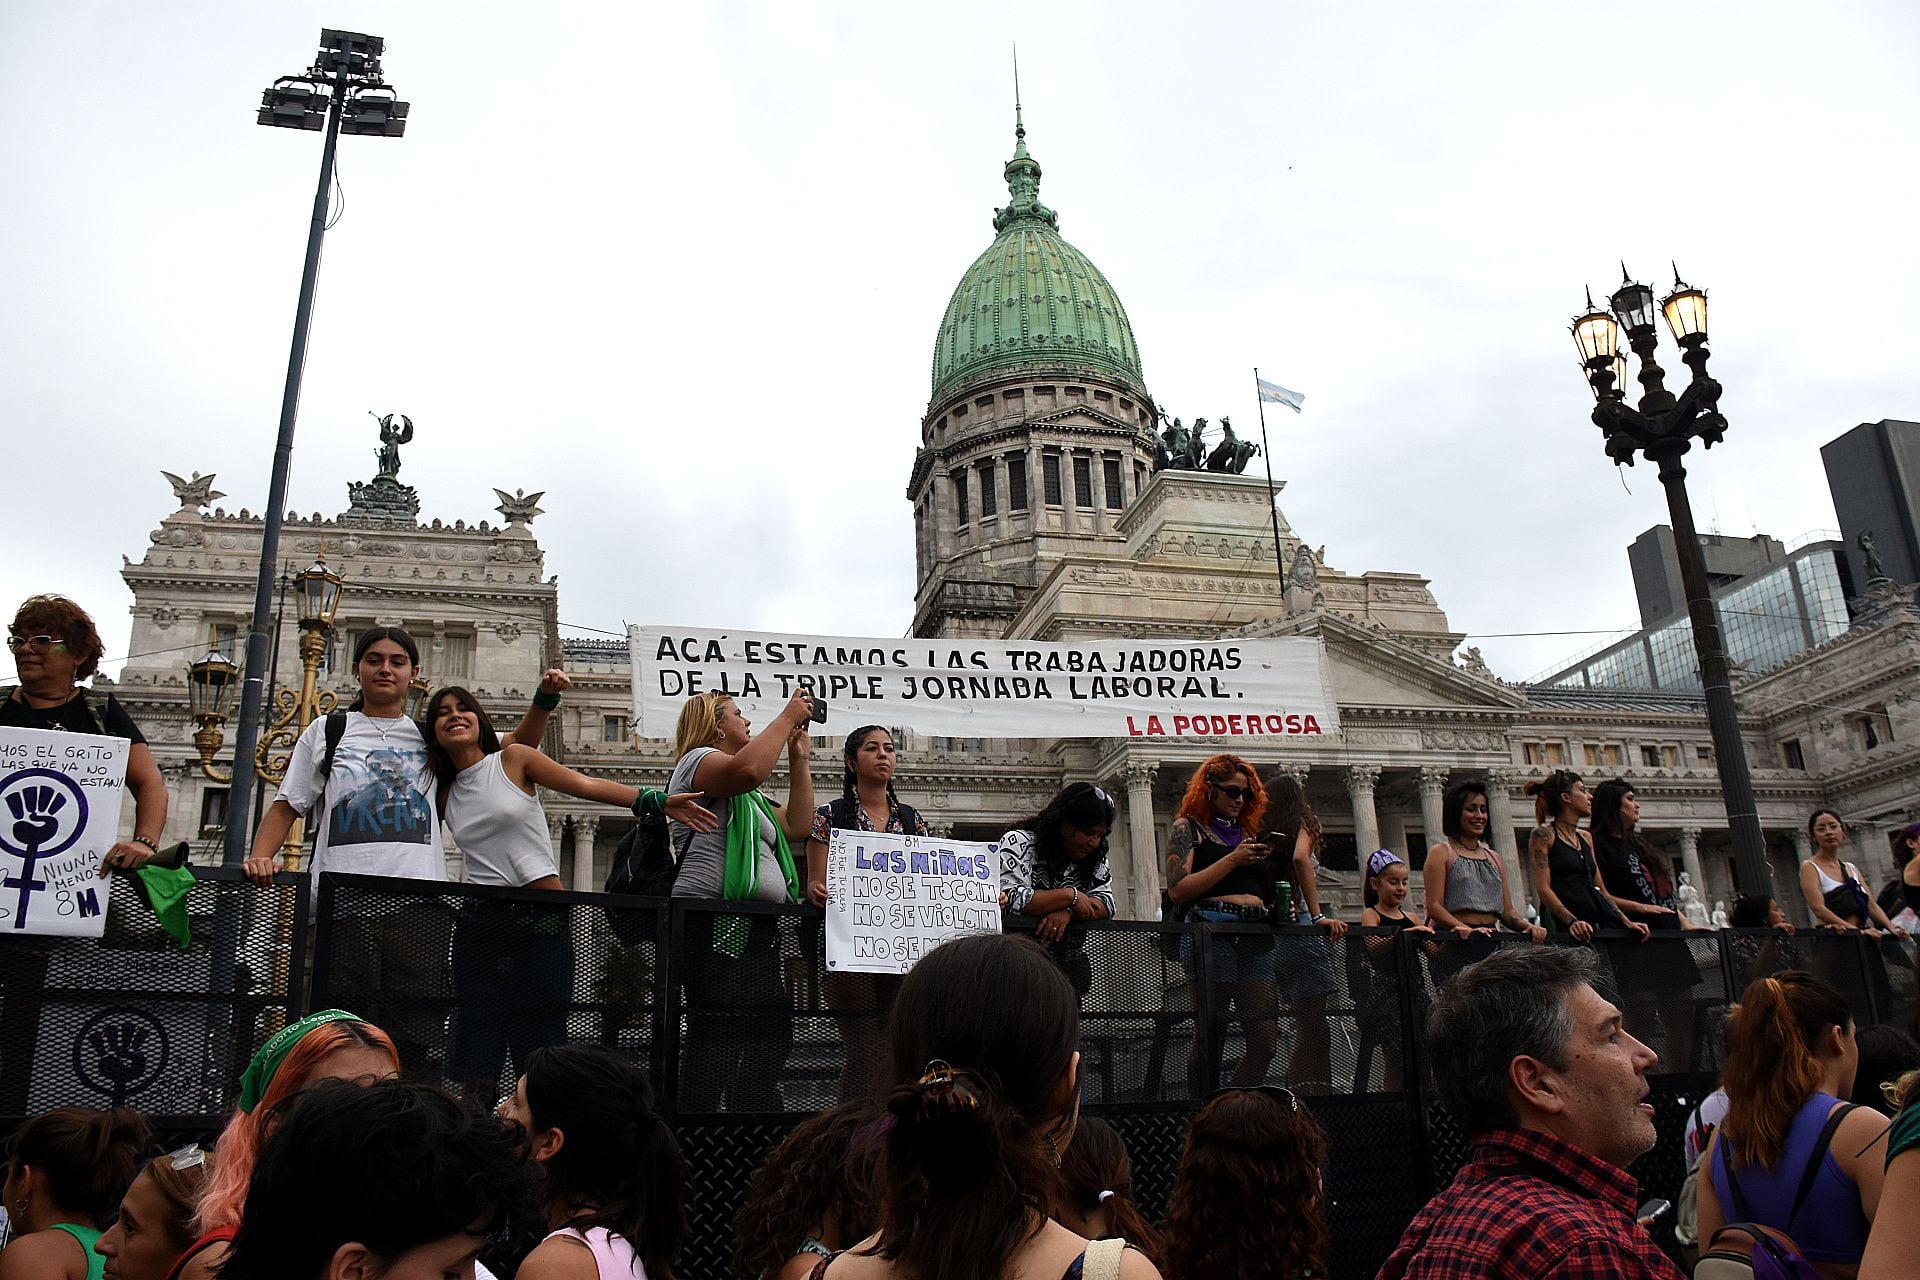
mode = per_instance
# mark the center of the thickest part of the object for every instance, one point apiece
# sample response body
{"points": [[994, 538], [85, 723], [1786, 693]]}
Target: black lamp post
{"points": [[345, 80], [1664, 427]]}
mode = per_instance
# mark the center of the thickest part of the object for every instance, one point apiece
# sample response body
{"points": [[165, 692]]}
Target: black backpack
{"points": [[645, 863], [839, 816]]}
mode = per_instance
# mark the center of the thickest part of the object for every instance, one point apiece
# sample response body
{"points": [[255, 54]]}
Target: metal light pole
{"points": [[1663, 427], [348, 66]]}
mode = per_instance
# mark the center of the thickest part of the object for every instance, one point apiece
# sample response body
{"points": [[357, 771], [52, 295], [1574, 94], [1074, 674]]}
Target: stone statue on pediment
{"points": [[195, 493], [1196, 449], [391, 438], [1870, 553], [519, 507]]}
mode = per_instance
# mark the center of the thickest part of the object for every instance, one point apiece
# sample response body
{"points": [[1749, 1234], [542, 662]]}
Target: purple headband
{"points": [[1380, 859]]}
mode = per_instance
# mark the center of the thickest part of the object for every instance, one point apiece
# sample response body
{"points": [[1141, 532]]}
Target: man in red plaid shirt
{"points": [[1538, 1069]]}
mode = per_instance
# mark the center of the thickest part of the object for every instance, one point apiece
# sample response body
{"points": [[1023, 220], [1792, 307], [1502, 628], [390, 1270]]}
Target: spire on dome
{"points": [[1022, 173]]}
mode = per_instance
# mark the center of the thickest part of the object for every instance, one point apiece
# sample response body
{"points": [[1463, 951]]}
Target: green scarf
{"points": [[259, 1073], [742, 882], [165, 890]]}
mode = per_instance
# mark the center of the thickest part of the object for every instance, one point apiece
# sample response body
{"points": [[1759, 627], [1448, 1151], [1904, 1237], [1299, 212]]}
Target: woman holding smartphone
{"points": [[1220, 873]]}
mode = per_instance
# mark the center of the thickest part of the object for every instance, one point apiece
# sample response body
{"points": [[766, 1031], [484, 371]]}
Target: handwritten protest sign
{"points": [[893, 898], [59, 814], [1173, 689]]}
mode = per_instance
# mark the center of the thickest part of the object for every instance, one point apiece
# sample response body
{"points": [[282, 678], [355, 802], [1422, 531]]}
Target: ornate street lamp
{"points": [[212, 683], [1663, 427], [212, 680]]}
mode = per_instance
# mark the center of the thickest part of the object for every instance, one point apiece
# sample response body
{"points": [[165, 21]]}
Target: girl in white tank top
{"points": [[488, 801]]}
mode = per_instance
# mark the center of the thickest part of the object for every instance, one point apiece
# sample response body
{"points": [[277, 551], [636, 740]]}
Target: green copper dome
{"points": [[1032, 300]]}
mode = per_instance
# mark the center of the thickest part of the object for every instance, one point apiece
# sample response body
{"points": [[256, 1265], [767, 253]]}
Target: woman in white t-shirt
{"points": [[512, 960], [368, 802], [739, 1020]]}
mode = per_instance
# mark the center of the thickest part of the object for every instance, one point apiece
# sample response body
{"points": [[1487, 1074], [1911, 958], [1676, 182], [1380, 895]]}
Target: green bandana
{"points": [[742, 882], [260, 1072], [166, 890]]}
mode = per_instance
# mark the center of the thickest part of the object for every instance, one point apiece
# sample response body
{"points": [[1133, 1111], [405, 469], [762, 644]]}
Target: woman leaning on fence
{"points": [[1219, 872], [866, 803], [512, 962], [1467, 892], [1303, 966], [739, 1021]]}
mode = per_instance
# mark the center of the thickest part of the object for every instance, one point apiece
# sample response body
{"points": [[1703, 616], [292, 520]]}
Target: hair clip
{"points": [[1105, 1196], [941, 1083], [190, 1156]]}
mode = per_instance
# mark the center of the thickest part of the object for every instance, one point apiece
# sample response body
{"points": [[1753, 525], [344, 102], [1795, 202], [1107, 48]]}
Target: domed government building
{"points": [[1041, 513]]}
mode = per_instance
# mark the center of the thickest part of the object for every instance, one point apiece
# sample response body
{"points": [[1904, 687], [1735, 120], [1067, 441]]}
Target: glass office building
{"points": [[1764, 620]]}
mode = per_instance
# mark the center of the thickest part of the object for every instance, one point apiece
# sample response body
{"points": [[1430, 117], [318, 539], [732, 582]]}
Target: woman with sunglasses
{"points": [[1248, 1199], [1218, 872]]}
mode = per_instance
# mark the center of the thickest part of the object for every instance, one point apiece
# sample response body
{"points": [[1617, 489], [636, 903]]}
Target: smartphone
{"points": [[817, 710], [1653, 1209]]}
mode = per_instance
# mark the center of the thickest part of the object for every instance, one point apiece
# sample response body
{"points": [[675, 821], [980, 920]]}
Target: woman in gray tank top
{"points": [[1466, 890]]}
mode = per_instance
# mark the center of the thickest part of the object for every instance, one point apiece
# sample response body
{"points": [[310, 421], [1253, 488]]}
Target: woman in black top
{"points": [[1659, 980], [1218, 872], [54, 646], [1564, 874]]}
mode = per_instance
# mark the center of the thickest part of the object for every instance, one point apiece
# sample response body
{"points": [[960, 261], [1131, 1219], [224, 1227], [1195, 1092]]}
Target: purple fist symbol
{"points": [[33, 810]]}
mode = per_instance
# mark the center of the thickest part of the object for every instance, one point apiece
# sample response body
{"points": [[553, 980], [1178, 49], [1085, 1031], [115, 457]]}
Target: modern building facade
{"points": [[1766, 618], [1873, 472]]}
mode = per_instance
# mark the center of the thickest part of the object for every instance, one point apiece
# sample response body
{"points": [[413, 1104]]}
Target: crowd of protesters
{"points": [[959, 1147]]}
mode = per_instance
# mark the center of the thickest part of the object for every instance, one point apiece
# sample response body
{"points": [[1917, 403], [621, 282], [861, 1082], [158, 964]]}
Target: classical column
{"points": [[1500, 829], [584, 830], [1366, 822], [1433, 786], [557, 831], [1141, 832], [1802, 845], [1068, 498], [1036, 482], [1690, 860]]}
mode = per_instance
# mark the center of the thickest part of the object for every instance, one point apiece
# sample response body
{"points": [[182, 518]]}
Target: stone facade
{"points": [[1190, 556]]}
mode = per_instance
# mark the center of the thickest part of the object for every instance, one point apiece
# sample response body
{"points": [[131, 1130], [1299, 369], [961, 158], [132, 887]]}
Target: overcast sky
{"points": [[680, 267]]}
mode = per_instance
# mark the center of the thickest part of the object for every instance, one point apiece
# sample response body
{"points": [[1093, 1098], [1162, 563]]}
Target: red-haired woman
{"points": [[1791, 1059], [1219, 873], [1248, 1199], [329, 1045]]}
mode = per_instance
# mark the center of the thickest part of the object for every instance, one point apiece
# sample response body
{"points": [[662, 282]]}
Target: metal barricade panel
{"points": [[468, 980], [131, 1019]]}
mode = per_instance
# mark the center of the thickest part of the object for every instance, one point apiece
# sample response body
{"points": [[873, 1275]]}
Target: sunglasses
{"points": [[1278, 1091], [1232, 793]]}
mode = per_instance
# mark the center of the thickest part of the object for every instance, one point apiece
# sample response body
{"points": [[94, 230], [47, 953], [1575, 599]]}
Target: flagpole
{"points": [[1266, 452]]}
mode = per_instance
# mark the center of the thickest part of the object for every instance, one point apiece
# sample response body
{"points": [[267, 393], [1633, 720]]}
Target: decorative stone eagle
{"points": [[519, 506], [195, 493]]}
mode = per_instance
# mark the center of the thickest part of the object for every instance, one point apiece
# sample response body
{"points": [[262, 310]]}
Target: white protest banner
{"points": [[1171, 689], [59, 814], [893, 898]]}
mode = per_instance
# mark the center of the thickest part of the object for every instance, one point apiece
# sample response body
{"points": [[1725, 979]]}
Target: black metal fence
{"points": [[133, 1019], [733, 1012]]}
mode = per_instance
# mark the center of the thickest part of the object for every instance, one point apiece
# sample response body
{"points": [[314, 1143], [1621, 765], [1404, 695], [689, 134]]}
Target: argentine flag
{"points": [[1278, 394]]}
